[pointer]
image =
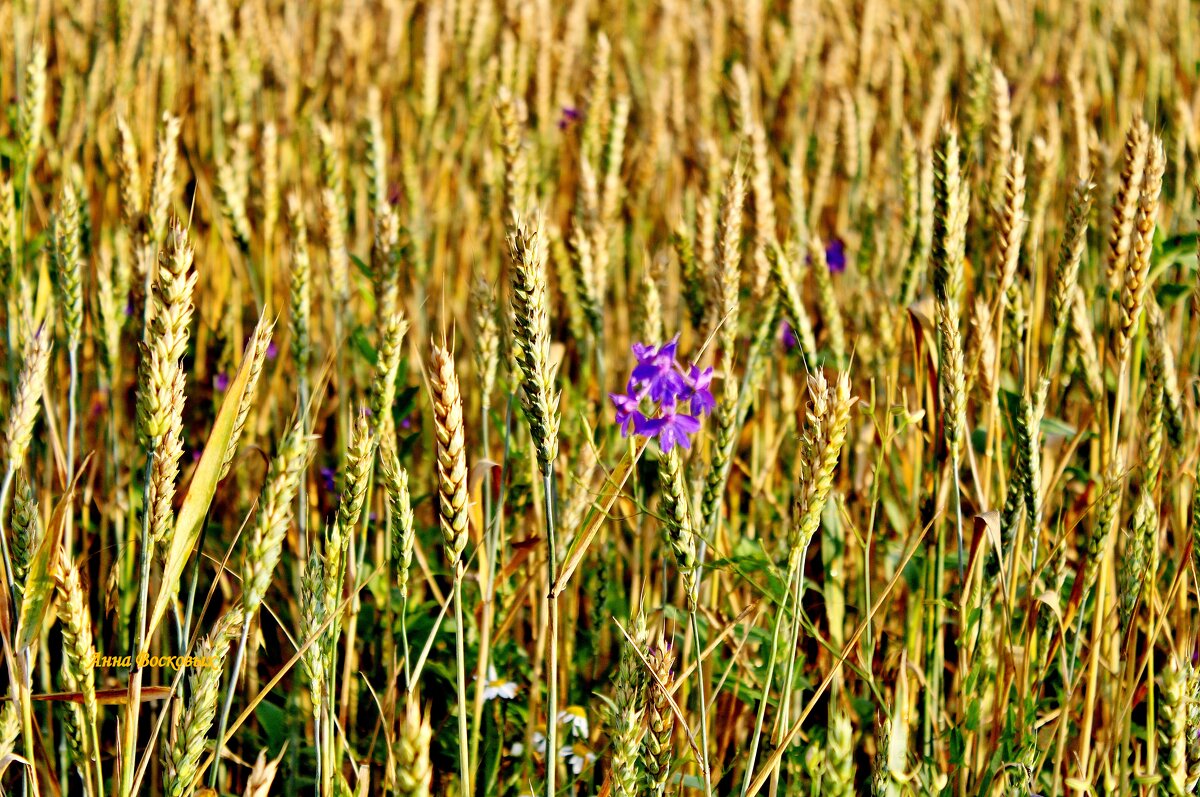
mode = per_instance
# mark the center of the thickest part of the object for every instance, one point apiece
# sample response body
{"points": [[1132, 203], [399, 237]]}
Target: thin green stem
{"points": [[72, 391], [703, 706], [488, 589], [766, 689], [552, 630], [302, 514], [408, 684], [186, 631], [959, 518], [785, 696], [214, 774], [133, 706], [464, 762], [317, 784]]}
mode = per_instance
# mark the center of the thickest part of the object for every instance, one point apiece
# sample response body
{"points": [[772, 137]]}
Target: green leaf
{"points": [[1171, 292], [493, 749], [362, 266], [273, 720], [1058, 427], [359, 340], [199, 496], [1176, 249]]}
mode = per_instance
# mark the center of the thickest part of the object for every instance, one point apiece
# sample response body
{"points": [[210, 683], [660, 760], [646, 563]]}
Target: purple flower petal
{"points": [[221, 382], [664, 385], [701, 396], [674, 430], [569, 115], [835, 256], [627, 408], [787, 335], [647, 427]]}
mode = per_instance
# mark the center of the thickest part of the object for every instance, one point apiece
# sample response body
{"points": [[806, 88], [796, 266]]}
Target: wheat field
{"points": [[600, 397]]}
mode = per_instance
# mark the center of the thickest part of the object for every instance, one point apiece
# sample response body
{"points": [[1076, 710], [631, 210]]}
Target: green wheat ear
{"points": [[677, 521], [395, 480], [1172, 727], [820, 446], [414, 771], [182, 758], [273, 518], [531, 339]]}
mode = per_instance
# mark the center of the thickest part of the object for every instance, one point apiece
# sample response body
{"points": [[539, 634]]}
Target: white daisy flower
{"points": [[539, 741], [577, 756], [575, 720], [516, 750], [496, 688]]}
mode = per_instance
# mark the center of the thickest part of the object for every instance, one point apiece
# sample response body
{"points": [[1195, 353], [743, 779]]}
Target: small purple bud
{"points": [[787, 335], [272, 350], [221, 382], [569, 115], [327, 479], [835, 256]]}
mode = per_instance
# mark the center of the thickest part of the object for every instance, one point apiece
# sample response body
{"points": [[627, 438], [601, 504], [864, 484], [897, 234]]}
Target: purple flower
{"points": [[221, 382], [627, 412], [659, 377], [835, 256], [674, 428], [658, 372], [272, 350], [569, 115], [701, 397], [328, 479], [787, 335]]}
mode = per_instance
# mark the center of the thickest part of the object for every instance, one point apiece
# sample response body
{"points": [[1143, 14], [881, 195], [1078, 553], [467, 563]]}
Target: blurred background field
{"points": [[596, 397]]}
